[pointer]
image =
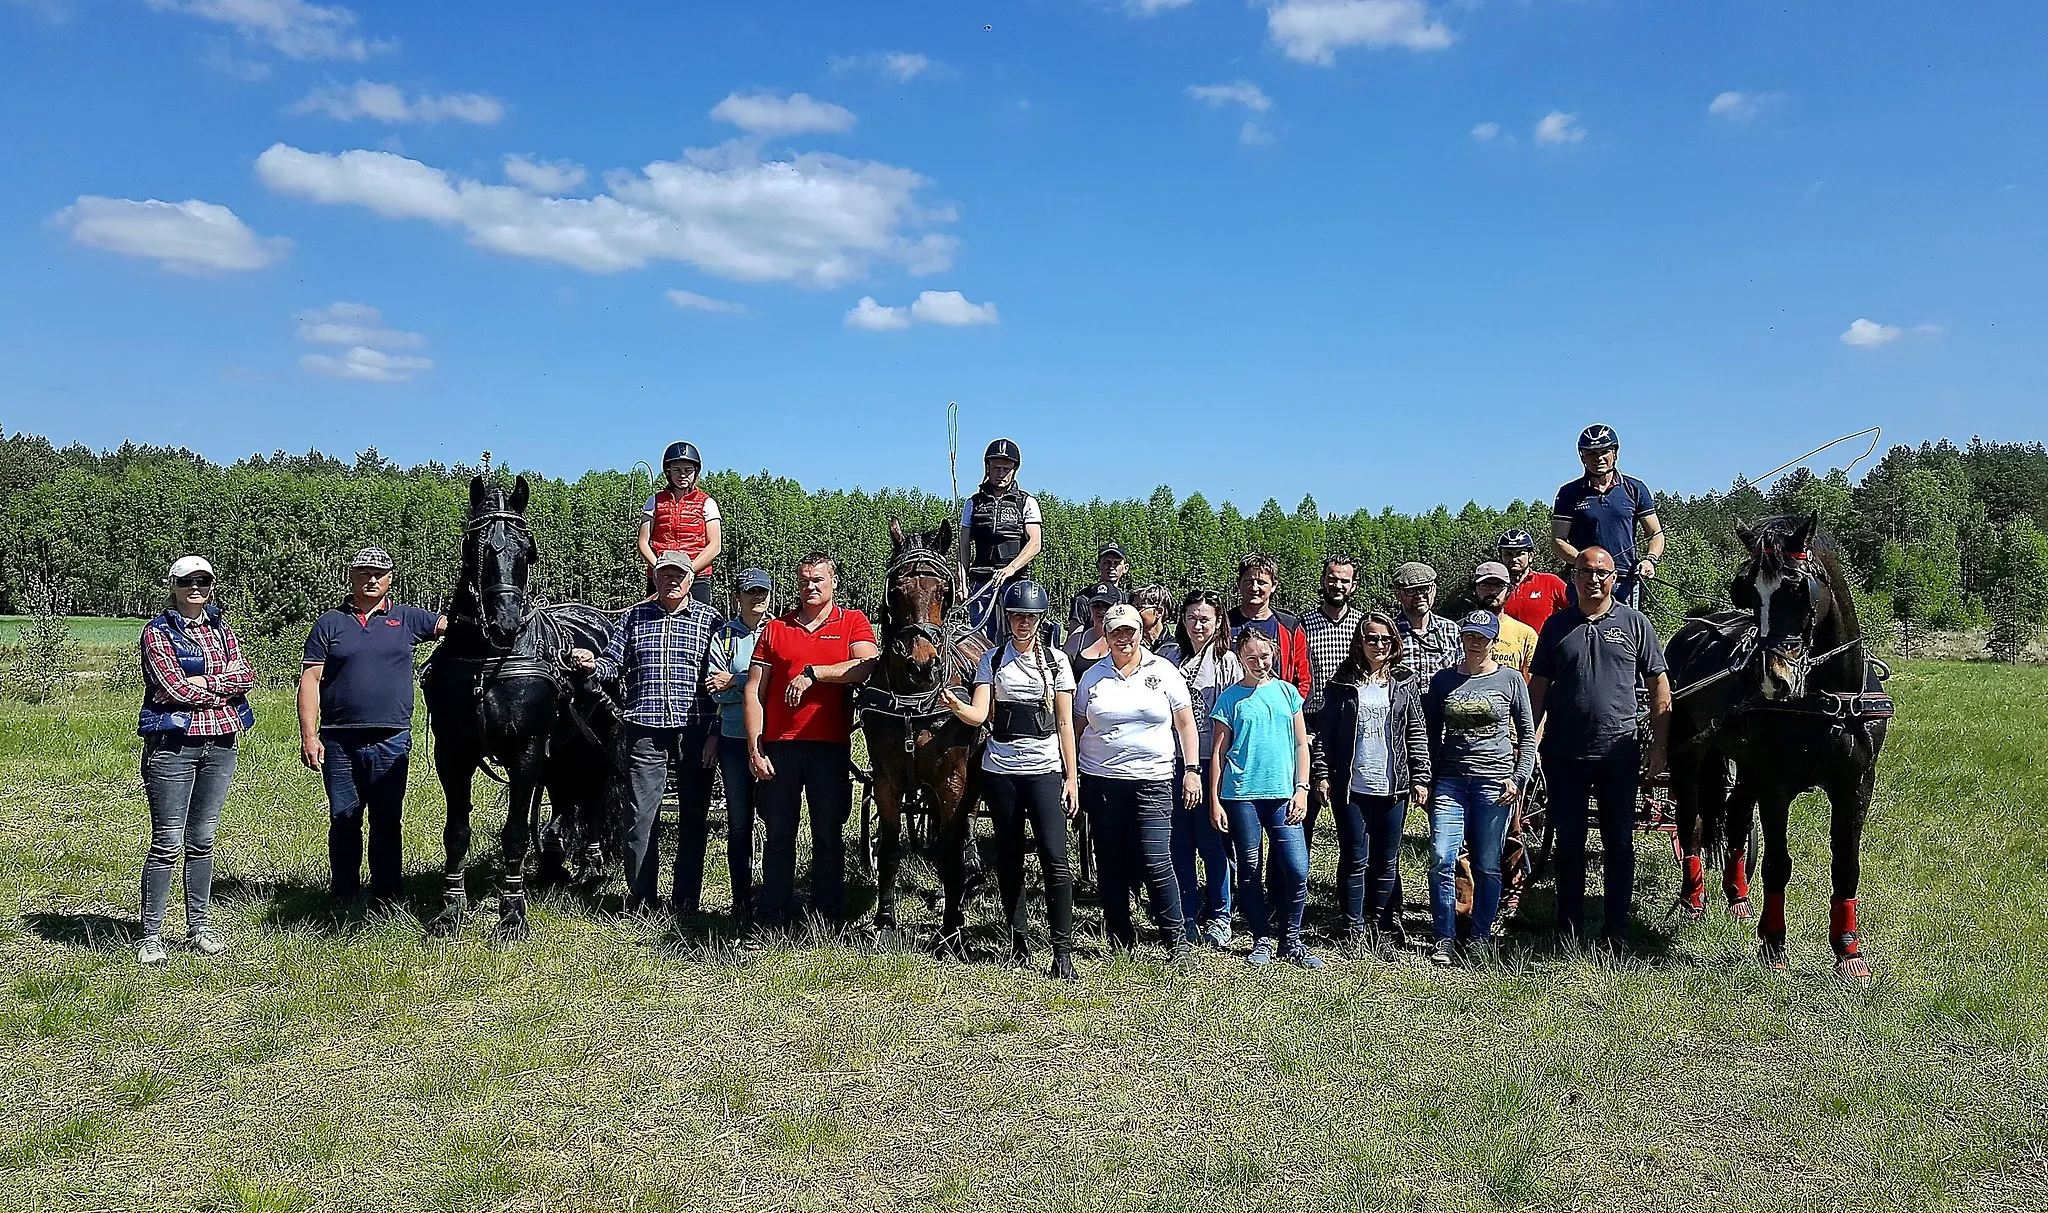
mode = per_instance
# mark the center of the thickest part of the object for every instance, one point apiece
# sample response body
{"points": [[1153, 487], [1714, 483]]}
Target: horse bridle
{"points": [[517, 524], [916, 706]]}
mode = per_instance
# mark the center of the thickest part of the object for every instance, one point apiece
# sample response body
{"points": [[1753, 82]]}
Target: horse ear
{"points": [[1802, 535], [1747, 535], [896, 532], [945, 540], [476, 493], [520, 491]]}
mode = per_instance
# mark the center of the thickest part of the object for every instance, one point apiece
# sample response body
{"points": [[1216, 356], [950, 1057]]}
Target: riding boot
{"points": [[1063, 965], [1020, 949]]}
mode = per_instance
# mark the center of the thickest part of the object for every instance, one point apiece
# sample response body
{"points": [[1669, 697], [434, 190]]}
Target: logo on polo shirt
{"points": [[391, 623], [1151, 682]]}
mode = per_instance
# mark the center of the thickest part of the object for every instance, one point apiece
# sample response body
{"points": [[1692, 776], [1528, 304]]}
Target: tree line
{"points": [[1938, 536]]}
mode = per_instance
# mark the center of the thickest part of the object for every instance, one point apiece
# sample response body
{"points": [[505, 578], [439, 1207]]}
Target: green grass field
{"points": [[613, 1064], [92, 632]]}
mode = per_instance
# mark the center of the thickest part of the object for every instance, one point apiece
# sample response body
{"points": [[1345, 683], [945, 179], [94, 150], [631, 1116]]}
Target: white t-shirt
{"points": [[1126, 723], [1372, 752], [1019, 681], [1032, 515]]}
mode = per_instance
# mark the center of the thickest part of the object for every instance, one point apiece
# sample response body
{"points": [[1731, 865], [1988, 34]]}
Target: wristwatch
{"points": [[811, 672]]}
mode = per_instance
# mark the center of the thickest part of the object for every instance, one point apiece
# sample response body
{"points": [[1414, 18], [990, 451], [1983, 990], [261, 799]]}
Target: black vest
{"points": [[997, 533]]}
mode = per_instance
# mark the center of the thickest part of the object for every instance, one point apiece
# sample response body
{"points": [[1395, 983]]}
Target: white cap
{"points": [[1122, 615], [185, 566]]}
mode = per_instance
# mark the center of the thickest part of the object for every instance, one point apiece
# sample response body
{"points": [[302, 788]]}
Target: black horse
{"points": [[915, 744], [498, 691], [1789, 696]]}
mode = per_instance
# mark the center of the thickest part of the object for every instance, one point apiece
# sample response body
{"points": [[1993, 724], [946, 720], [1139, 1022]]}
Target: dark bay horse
{"points": [[497, 691], [1794, 701], [914, 743]]}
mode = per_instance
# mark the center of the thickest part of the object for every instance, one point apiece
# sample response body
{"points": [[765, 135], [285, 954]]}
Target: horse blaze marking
{"points": [[1766, 584]]}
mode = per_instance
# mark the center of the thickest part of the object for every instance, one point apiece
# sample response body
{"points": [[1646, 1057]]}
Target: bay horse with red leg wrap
{"points": [[916, 746], [1784, 689]]}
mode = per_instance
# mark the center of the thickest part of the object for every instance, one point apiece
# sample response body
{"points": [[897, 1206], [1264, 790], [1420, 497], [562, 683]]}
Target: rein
{"points": [[915, 707]]}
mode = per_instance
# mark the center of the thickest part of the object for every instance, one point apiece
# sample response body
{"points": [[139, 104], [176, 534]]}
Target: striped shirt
{"points": [[657, 656], [1434, 648], [1328, 643], [207, 696]]}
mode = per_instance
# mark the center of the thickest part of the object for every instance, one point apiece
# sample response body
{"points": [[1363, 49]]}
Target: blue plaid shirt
{"points": [[658, 659], [1434, 648]]}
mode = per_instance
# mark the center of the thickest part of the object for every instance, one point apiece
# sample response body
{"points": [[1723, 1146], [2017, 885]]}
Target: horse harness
{"points": [[916, 709]]}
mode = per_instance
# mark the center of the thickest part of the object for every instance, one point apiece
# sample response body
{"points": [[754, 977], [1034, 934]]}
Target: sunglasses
{"points": [[198, 581], [1379, 640]]}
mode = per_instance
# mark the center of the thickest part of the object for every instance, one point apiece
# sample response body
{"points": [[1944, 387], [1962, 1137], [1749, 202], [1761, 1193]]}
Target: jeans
{"points": [[1369, 861], [1612, 782], [740, 797], [364, 773], [820, 772], [1133, 825], [1015, 801], [1196, 836], [646, 755], [1465, 810], [1272, 902], [187, 781]]}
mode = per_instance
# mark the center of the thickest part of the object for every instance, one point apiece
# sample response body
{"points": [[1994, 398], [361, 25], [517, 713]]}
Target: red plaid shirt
{"points": [[227, 676]]}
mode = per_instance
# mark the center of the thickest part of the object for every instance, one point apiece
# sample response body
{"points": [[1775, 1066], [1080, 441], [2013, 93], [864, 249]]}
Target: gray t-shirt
{"points": [[1594, 667], [1372, 754], [1206, 679], [1480, 726], [1021, 681]]}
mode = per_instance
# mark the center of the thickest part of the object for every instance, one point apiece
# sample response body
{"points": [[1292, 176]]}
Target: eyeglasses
{"points": [[1595, 574], [197, 581]]}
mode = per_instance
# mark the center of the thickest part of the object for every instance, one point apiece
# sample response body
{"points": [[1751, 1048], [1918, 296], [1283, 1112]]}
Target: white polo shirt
{"points": [[1126, 723]]}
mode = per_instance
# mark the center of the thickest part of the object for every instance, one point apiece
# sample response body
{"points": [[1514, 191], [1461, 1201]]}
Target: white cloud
{"points": [[388, 103], [1559, 127], [366, 364], [902, 65], [544, 176], [872, 316], [1240, 92], [1149, 8], [767, 114], [951, 308], [1929, 330], [1486, 130], [1868, 334], [691, 301], [812, 218], [1313, 31], [190, 237], [1251, 134], [352, 324], [295, 29], [1740, 107]]}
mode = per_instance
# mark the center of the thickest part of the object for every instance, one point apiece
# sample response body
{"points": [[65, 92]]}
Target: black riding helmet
{"points": [[1598, 438], [687, 452], [1003, 448], [1026, 597], [1517, 540]]}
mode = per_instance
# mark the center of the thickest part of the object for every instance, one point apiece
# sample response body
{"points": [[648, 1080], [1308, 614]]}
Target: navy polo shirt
{"points": [[367, 679], [1594, 667], [1606, 519]]}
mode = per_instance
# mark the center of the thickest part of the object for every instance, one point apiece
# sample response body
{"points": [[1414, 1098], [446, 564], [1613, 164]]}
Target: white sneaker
{"points": [[205, 942], [151, 951]]}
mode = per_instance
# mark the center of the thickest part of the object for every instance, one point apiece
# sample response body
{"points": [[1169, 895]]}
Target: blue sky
{"points": [[1389, 252]]}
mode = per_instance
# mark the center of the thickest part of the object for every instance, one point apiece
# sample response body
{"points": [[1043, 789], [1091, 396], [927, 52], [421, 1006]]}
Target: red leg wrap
{"points": [[1735, 876], [1772, 925], [1842, 928], [1694, 891]]}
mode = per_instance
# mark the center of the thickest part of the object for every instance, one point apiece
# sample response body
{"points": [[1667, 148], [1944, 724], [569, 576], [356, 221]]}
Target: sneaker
{"points": [[151, 951], [1217, 934], [1261, 953], [1297, 953], [206, 942], [1440, 954]]}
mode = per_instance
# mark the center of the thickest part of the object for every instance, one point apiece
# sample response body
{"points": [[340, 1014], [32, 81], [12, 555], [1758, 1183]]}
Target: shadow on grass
{"points": [[84, 932]]}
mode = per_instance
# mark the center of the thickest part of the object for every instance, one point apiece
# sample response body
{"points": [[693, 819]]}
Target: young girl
{"points": [[1258, 778], [681, 517]]}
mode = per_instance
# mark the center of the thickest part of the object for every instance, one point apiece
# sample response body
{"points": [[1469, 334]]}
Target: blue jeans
{"points": [[1132, 822], [647, 755], [187, 781], [1469, 811], [1613, 782], [1274, 915], [1195, 836], [364, 773], [1369, 861], [739, 821]]}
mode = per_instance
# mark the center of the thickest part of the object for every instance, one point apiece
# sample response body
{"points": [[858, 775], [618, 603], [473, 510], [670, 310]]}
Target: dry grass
{"points": [[614, 1064]]}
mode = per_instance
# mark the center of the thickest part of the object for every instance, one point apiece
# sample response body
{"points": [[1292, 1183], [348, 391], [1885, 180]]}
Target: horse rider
{"points": [[656, 657], [355, 724], [1004, 529], [1533, 595], [1604, 508], [1111, 567], [681, 517]]}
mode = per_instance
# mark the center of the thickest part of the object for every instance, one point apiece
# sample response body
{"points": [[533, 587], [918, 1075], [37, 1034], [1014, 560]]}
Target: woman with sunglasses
{"points": [[1209, 666], [194, 704]]}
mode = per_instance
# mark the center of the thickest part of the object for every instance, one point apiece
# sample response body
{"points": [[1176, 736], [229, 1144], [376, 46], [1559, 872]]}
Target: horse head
{"points": [[498, 555], [920, 592], [1789, 591]]}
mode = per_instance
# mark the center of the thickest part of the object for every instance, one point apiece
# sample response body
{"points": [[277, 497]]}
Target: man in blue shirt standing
{"points": [[355, 724], [725, 677], [657, 657], [1602, 509]]}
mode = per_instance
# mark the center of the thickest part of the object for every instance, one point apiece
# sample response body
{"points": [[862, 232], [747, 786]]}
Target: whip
{"points": [[1876, 433]]}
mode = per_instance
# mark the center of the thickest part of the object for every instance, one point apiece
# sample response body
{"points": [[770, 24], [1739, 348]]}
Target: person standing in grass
{"points": [[194, 706], [1209, 666], [1371, 761], [1258, 779], [1330, 629], [732, 655], [1133, 708], [1482, 739], [355, 724], [1516, 647]]}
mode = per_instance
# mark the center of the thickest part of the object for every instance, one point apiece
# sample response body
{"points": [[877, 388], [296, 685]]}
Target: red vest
{"points": [[678, 524]]}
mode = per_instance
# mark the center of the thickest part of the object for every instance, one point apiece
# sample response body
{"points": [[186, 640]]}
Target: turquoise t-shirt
{"points": [[1260, 764]]}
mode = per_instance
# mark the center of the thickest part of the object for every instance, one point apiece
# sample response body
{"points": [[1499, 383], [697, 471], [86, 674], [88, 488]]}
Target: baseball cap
{"points": [[372, 557], [1412, 574], [1122, 615], [185, 566], [1481, 623], [755, 579], [1492, 570], [1112, 548], [672, 560], [1103, 591]]}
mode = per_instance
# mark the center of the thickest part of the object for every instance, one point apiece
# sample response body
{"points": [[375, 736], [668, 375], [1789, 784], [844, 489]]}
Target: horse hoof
{"points": [[449, 920], [512, 926], [1739, 910], [1853, 969], [1690, 913], [1773, 956]]}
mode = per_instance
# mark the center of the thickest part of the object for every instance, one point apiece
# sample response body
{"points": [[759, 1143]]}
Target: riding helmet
{"points": [[1517, 540], [1598, 438], [1026, 597], [1003, 448], [685, 451]]}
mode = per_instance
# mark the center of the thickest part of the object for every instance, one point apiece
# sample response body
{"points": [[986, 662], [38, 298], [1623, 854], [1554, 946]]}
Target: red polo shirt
{"points": [[1535, 600], [786, 647]]}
